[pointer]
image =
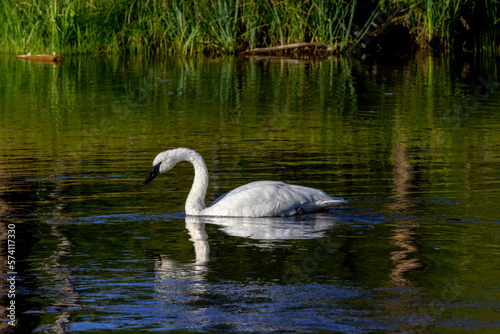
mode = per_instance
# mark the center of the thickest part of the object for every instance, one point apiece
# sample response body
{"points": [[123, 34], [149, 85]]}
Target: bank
{"points": [[229, 27]]}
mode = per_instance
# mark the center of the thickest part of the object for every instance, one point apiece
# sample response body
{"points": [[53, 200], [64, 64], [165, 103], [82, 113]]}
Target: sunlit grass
{"points": [[189, 26]]}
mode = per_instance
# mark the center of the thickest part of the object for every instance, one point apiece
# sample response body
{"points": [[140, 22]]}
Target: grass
{"points": [[448, 24], [214, 27]]}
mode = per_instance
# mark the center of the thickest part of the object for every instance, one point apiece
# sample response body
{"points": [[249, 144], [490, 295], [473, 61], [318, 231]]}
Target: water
{"points": [[413, 145]]}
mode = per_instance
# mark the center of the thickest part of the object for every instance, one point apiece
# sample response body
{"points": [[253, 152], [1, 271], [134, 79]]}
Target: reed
{"points": [[443, 24], [225, 26]]}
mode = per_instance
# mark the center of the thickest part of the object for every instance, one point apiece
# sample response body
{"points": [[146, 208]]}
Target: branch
{"points": [[290, 46]]}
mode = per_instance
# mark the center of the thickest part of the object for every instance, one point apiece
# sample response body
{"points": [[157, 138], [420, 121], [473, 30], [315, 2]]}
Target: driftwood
{"points": [[53, 58], [296, 46]]}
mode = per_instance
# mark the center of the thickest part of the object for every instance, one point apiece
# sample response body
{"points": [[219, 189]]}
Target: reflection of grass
{"points": [[337, 107], [228, 26]]}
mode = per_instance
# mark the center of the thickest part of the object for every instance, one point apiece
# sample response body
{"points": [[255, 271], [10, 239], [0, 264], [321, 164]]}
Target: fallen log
{"points": [[53, 58], [296, 46]]}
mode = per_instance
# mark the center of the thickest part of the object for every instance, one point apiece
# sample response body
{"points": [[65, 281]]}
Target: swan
{"points": [[255, 199]]}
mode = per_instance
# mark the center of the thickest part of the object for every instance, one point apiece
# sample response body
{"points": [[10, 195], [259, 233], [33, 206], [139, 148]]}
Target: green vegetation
{"points": [[453, 23], [188, 26]]}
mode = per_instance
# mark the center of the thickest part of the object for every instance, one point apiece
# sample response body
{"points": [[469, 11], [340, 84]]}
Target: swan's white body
{"points": [[256, 199]]}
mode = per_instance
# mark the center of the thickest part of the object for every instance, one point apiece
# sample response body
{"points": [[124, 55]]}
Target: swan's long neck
{"points": [[195, 202]]}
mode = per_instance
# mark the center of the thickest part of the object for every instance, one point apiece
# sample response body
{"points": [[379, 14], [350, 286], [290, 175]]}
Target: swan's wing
{"points": [[219, 198], [270, 198]]}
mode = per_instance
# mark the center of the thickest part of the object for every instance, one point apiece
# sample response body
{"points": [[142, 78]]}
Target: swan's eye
{"points": [[156, 168]]}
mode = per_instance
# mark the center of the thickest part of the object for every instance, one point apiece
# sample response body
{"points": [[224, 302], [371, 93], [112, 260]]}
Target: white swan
{"points": [[256, 199]]}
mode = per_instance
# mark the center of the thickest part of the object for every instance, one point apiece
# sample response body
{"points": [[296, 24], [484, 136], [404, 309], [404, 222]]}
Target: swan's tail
{"points": [[335, 201], [319, 205]]}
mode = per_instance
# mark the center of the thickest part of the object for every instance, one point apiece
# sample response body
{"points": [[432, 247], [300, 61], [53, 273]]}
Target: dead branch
{"points": [[315, 46]]}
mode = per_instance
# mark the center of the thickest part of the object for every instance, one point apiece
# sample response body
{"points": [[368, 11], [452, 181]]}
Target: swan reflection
{"points": [[175, 278], [265, 230]]}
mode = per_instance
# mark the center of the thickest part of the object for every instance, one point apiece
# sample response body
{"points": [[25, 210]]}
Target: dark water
{"points": [[413, 145]]}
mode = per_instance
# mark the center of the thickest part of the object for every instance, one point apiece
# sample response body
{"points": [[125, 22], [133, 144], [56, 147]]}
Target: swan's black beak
{"points": [[155, 171]]}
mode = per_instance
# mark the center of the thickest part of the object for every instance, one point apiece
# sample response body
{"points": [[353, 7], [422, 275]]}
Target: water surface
{"points": [[413, 145]]}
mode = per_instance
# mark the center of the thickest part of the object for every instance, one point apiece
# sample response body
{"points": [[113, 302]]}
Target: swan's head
{"points": [[163, 162]]}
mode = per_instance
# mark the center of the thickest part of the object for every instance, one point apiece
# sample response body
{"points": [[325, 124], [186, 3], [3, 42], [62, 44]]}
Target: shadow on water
{"points": [[242, 274], [211, 274], [151, 271]]}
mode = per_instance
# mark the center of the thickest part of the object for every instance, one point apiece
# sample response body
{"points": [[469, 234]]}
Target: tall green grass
{"points": [[448, 24], [185, 26], [230, 26]]}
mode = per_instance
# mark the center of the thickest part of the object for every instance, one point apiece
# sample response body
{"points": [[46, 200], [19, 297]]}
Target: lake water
{"points": [[412, 145]]}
